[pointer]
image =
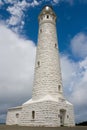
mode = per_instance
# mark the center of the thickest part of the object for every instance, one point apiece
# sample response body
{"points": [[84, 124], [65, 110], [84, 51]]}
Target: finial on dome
{"points": [[47, 8]]}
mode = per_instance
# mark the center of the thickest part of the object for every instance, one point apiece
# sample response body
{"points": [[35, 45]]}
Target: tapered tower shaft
{"points": [[47, 79]]}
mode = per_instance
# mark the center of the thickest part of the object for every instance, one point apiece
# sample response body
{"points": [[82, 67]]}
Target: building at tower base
{"points": [[48, 107], [45, 112]]}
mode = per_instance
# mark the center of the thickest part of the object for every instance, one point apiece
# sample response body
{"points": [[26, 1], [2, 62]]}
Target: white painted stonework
{"points": [[48, 107]]}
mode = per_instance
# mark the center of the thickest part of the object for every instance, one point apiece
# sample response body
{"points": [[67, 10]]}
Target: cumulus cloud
{"points": [[16, 69], [70, 77], [79, 45], [75, 85], [80, 88], [75, 80], [16, 11]]}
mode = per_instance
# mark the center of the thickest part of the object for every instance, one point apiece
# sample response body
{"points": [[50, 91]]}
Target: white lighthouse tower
{"points": [[47, 70], [48, 107]]}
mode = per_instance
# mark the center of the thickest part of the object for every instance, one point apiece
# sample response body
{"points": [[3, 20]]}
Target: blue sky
{"points": [[18, 41]]}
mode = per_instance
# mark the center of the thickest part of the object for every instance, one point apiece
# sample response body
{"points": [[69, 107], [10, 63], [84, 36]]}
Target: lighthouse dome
{"points": [[47, 10]]}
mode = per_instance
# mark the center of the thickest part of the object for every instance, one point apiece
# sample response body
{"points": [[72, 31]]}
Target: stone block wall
{"points": [[13, 116], [47, 76], [46, 114]]}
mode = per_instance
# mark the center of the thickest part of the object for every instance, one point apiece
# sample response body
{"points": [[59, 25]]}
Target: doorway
{"points": [[17, 118], [62, 117]]}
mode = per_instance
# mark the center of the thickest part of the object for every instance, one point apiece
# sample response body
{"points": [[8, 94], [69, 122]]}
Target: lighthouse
{"points": [[48, 106], [47, 69]]}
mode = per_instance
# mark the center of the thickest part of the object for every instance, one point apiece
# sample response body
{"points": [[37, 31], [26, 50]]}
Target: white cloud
{"points": [[75, 79], [80, 88], [17, 57], [79, 45], [17, 12], [75, 84], [70, 76], [35, 3]]}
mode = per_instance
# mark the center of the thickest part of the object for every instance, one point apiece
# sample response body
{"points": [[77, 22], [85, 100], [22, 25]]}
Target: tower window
{"points": [[40, 30], [47, 16], [55, 45], [59, 87], [17, 115], [33, 114], [38, 63], [41, 18], [67, 116]]}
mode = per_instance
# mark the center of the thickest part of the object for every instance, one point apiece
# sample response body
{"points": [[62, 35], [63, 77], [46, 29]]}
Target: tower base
{"points": [[45, 112]]}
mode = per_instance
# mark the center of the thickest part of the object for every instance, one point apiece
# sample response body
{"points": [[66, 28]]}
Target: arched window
{"points": [[47, 16], [33, 114]]}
